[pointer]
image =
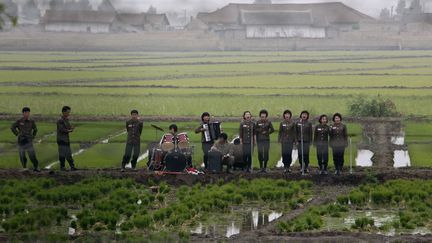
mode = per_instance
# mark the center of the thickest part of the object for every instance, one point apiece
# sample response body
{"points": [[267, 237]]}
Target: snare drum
{"points": [[167, 142], [183, 141]]}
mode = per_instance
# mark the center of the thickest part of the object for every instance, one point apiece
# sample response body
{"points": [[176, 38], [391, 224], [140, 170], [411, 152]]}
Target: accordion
{"points": [[212, 132]]}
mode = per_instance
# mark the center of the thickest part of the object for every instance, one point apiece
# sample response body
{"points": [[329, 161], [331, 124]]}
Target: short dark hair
{"points": [[335, 115], [134, 112], [244, 113], [173, 126], [263, 111], [305, 112], [287, 112], [321, 117], [66, 108], [25, 109], [224, 136], [203, 115]]}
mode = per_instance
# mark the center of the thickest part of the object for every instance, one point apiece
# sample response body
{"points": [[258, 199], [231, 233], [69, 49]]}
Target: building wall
{"points": [[78, 27], [284, 31]]}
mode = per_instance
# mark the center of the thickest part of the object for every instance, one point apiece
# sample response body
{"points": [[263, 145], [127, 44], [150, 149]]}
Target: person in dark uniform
{"points": [[264, 128], [287, 139], [25, 129], [206, 144], [338, 141], [247, 139], [134, 129], [63, 129], [304, 140], [321, 142], [226, 149]]}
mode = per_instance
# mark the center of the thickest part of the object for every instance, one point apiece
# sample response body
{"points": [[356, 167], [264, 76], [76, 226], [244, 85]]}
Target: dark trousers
{"points": [[205, 148], [247, 155], [287, 149], [65, 153], [28, 147], [128, 152], [303, 157], [322, 156], [263, 153], [338, 156]]}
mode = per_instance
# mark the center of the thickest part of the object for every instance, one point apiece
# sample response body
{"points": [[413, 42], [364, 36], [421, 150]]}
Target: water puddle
{"points": [[235, 222], [401, 158], [364, 158], [380, 217]]}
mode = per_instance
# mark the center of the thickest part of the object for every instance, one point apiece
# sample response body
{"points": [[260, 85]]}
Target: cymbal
{"points": [[157, 128]]}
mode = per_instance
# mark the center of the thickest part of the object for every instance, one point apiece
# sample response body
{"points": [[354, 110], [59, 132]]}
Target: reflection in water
{"points": [[255, 219], [273, 216], [232, 230], [294, 157], [364, 158], [398, 140], [401, 158], [232, 224]]}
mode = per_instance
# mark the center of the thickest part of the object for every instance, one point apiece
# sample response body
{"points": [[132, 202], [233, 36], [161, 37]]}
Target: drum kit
{"points": [[173, 154]]}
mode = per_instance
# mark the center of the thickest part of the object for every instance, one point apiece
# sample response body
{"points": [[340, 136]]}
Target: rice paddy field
{"points": [[98, 203], [181, 84], [185, 84]]}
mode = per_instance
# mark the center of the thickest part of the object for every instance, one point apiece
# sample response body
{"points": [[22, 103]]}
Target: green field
{"points": [[186, 84], [223, 83]]}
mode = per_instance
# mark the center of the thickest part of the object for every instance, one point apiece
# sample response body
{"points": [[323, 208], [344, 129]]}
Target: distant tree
{"points": [[152, 10], [415, 7], [372, 107], [262, 2], [106, 6], [5, 15], [56, 5], [385, 14], [400, 8]]}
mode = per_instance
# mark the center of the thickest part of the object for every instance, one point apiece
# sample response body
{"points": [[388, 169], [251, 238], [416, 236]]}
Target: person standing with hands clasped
{"points": [[304, 140], [25, 129], [247, 139], [264, 128], [64, 128], [321, 142], [338, 142], [287, 139]]}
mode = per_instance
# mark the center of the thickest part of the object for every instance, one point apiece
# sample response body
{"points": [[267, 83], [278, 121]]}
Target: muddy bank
{"points": [[359, 176]]}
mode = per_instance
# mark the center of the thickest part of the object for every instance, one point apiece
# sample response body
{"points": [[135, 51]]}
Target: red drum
{"points": [[167, 142], [157, 159], [183, 141]]}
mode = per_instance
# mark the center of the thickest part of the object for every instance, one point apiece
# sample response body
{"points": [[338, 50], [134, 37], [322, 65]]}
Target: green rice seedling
{"points": [[363, 223]]}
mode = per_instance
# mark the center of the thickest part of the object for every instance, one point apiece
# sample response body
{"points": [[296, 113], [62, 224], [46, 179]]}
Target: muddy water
{"points": [[238, 220], [381, 218]]}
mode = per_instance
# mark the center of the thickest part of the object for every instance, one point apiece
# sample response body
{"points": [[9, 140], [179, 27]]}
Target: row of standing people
{"points": [[300, 134], [25, 130], [251, 133]]}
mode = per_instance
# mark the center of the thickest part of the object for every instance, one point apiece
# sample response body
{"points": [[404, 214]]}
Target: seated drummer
{"points": [[222, 146], [173, 129]]}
